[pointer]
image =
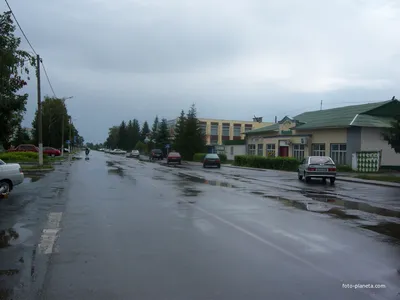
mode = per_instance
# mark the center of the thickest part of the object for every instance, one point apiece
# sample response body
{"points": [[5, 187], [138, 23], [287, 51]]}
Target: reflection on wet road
{"points": [[125, 229]]}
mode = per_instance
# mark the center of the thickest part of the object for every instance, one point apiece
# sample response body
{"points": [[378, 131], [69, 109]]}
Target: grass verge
{"points": [[37, 167], [386, 178]]}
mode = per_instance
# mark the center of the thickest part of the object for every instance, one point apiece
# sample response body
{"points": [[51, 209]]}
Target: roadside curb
{"points": [[371, 182], [36, 170], [341, 178]]}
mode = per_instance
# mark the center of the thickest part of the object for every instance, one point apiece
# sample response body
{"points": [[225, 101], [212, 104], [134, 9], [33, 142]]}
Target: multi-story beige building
{"points": [[217, 131]]}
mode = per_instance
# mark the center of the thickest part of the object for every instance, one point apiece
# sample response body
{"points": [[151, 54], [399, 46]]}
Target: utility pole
{"points": [[70, 134], [39, 125], [62, 127]]}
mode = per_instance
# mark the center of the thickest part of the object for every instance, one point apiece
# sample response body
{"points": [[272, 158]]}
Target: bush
{"points": [[19, 156], [344, 168], [275, 163], [222, 157], [199, 157]]}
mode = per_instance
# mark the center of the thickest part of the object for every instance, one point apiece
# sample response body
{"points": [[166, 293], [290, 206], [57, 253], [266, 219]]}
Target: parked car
{"points": [[134, 154], [156, 154], [174, 157], [24, 148], [317, 167], [10, 176], [50, 151], [118, 151], [211, 159]]}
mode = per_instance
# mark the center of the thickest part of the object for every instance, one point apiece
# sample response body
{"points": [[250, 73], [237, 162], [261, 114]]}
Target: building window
{"points": [[213, 139], [260, 149], [338, 153], [237, 130], [248, 127], [251, 149], [270, 150], [298, 151], [318, 149], [214, 128], [232, 150], [225, 131], [203, 126]]}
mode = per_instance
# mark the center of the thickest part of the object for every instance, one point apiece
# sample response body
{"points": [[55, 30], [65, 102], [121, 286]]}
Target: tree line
{"points": [[15, 65], [188, 137]]}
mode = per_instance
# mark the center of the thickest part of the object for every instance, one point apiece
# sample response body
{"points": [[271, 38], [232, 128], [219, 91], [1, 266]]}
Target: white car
{"points": [[10, 176], [118, 151], [134, 153]]}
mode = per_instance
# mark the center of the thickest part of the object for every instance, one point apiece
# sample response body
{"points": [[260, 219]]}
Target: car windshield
{"points": [[174, 154], [157, 151], [2, 162], [321, 160], [212, 156]]}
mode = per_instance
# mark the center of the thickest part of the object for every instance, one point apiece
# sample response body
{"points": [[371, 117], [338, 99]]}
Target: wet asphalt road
{"points": [[118, 228]]}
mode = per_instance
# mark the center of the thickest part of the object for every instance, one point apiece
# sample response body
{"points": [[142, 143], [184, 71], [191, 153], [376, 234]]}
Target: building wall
{"points": [[372, 140], [353, 142], [232, 150]]}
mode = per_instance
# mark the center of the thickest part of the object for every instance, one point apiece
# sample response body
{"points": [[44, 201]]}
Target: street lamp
{"points": [[62, 127]]}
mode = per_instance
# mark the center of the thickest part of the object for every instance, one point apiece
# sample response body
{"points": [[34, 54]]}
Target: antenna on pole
{"points": [[320, 106]]}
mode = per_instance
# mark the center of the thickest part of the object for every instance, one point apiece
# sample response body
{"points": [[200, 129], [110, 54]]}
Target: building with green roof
{"points": [[337, 132]]}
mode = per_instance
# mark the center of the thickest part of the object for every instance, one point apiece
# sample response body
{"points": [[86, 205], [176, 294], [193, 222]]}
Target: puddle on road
{"points": [[32, 178], [349, 204], [116, 171], [190, 192], [9, 272], [7, 236], [386, 228], [209, 182]]}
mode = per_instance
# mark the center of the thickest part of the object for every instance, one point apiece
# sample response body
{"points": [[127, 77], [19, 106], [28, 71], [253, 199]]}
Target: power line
{"points": [[20, 28], [48, 79], [29, 43]]}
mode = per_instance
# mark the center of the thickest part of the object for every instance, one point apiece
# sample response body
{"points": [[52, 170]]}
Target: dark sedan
{"points": [[211, 159]]}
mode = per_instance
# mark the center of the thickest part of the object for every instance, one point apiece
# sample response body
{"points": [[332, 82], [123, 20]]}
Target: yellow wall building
{"points": [[217, 131]]}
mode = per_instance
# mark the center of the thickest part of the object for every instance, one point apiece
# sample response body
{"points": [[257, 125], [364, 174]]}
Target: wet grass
{"points": [[386, 178]]}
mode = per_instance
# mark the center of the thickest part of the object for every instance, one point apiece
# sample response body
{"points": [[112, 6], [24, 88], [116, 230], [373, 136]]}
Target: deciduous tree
{"points": [[14, 64]]}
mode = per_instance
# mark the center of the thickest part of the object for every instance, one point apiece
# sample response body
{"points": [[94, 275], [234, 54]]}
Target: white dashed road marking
{"points": [[50, 233]]}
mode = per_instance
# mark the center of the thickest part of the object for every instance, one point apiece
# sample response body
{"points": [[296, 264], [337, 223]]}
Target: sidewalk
{"points": [[349, 177]]}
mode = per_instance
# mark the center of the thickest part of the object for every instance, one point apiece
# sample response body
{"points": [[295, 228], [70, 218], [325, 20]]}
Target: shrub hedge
{"points": [[275, 163], [200, 156], [19, 156]]}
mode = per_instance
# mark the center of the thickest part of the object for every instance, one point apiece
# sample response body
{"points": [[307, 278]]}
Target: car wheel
{"points": [[5, 186], [307, 179], [299, 175], [180, 162], [332, 180], [218, 166], [324, 180], [204, 166]]}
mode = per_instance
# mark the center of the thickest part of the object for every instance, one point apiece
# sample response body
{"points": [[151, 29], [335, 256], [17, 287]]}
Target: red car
{"points": [[51, 151], [174, 157], [24, 148]]}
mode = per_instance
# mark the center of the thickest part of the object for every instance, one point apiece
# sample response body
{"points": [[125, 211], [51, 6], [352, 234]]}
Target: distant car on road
{"points": [[50, 151], [118, 151], [24, 148], [156, 154], [211, 159], [317, 167], [174, 157], [10, 176], [134, 153]]}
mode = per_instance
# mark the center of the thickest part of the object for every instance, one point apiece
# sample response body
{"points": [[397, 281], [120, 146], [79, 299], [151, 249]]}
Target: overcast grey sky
{"points": [[234, 58]]}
